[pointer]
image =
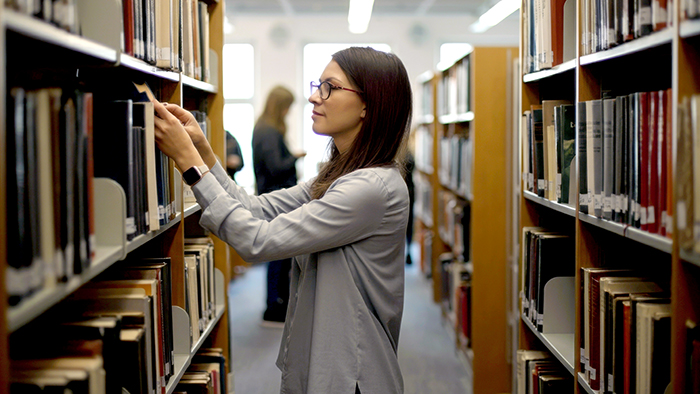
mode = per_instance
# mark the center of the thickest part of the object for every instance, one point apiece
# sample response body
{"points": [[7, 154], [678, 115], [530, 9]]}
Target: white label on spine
{"points": [[681, 214]]}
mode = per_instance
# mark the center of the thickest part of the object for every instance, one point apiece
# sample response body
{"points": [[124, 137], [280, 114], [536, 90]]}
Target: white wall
{"points": [[279, 42]]}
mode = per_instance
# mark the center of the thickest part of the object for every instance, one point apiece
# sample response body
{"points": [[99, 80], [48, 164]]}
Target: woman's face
{"points": [[341, 115]]}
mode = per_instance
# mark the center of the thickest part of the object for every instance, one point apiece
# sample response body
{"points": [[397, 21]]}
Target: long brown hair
{"points": [[387, 94], [278, 102]]}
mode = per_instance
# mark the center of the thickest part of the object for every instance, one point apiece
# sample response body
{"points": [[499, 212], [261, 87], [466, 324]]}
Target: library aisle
{"points": [[427, 354]]}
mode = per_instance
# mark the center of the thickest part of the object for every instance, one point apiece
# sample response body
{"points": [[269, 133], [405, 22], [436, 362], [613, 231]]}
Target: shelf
{"points": [[561, 345], [197, 84], [565, 209], [190, 209], [184, 351], [690, 257], [50, 34], [663, 37], [587, 388], [456, 118], [111, 246], [656, 241], [690, 28], [140, 65], [567, 66]]}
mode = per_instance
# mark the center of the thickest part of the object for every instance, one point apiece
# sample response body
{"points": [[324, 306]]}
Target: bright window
{"points": [[239, 116], [316, 58], [238, 63]]}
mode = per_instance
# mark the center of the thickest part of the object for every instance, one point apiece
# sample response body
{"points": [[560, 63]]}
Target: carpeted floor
{"points": [[429, 362]]}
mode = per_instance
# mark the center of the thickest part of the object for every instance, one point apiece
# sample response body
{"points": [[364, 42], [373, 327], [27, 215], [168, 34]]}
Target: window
{"points": [[239, 116], [316, 57]]}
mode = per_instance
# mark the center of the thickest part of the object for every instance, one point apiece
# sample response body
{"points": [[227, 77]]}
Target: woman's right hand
{"points": [[195, 132]]}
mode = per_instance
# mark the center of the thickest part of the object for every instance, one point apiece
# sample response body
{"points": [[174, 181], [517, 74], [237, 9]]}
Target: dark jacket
{"points": [[274, 165]]}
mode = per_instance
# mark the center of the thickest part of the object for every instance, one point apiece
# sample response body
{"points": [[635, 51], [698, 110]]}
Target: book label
{"points": [[651, 215], [681, 214], [643, 215]]}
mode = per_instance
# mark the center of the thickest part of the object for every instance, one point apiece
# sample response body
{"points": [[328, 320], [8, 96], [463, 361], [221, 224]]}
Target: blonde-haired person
{"points": [[346, 228], [275, 168]]}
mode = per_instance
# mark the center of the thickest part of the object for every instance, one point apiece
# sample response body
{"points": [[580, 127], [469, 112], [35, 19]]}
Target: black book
{"points": [[538, 152], [19, 240], [555, 255], [582, 159], [114, 153], [81, 229]]}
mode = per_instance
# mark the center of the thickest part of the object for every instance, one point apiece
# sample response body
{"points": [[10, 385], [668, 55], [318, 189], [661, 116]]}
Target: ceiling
{"points": [[338, 7]]}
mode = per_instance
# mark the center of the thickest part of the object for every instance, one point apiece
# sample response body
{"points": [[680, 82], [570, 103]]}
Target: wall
{"points": [[279, 43]]}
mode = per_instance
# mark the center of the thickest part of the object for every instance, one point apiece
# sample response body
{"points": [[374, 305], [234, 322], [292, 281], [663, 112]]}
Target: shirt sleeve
{"points": [[266, 206], [352, 209]]}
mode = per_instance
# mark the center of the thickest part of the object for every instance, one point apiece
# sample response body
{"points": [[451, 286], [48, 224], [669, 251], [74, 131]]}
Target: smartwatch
{"points": [[194, 174]]}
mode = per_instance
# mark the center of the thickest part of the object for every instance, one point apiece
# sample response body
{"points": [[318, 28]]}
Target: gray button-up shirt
{"points": [[347, 287]]}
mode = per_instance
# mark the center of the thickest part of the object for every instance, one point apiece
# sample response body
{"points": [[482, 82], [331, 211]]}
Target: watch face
{"points": [[192, 175]]}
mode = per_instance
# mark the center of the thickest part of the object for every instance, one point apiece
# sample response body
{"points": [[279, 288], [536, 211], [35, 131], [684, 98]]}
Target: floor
{"points": [[429, 362]]}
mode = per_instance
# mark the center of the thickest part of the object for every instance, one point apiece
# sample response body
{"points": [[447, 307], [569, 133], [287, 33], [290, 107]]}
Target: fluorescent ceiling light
{"points": [[359, 15], [495, 15]]}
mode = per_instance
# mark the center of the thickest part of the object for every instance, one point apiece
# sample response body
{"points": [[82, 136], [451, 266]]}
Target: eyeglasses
{"points": [[324, 89]]}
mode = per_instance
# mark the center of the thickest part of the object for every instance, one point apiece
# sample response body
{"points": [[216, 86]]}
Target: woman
{"points": [[275, 168], [346, 228]]}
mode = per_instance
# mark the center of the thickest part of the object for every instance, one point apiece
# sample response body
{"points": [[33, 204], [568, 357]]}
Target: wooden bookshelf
{"points": [[63, 58], [468, 131], [667, 60]]}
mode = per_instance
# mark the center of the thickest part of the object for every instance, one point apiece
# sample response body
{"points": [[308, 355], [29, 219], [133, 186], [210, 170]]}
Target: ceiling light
{"points": [[359, 15], [495, 15]]}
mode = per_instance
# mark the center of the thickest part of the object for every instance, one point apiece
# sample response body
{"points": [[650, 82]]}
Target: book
{"points": [[144, 117], [582, 155], [611, 287], [567, 150], [608, 156], [653, 368], [594, 139], [590, 296], [619, 153], [116, 119], [550, 149], [685, 174], [694, 115], [644, 141], [555, 258], [538, 150]]}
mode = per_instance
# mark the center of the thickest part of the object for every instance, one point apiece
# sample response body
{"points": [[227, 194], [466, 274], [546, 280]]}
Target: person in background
{"points": [[346, 228], [234, 157], [275, 169]]}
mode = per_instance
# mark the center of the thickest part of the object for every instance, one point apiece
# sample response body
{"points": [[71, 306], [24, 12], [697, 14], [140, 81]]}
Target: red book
{"points": [[643, 118], [128, 7], [668, 130], [663, 163], [90, 172], [653, 208]]}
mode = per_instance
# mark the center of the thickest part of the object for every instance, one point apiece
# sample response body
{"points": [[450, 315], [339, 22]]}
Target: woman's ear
{"points": [[364, 112]]}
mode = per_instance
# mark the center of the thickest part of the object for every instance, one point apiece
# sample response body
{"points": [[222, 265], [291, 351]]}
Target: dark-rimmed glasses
{"points": [[324, 89]]}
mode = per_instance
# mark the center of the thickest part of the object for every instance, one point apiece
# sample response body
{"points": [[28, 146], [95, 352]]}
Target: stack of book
{"points": [[114, 332], [626, 338]]}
